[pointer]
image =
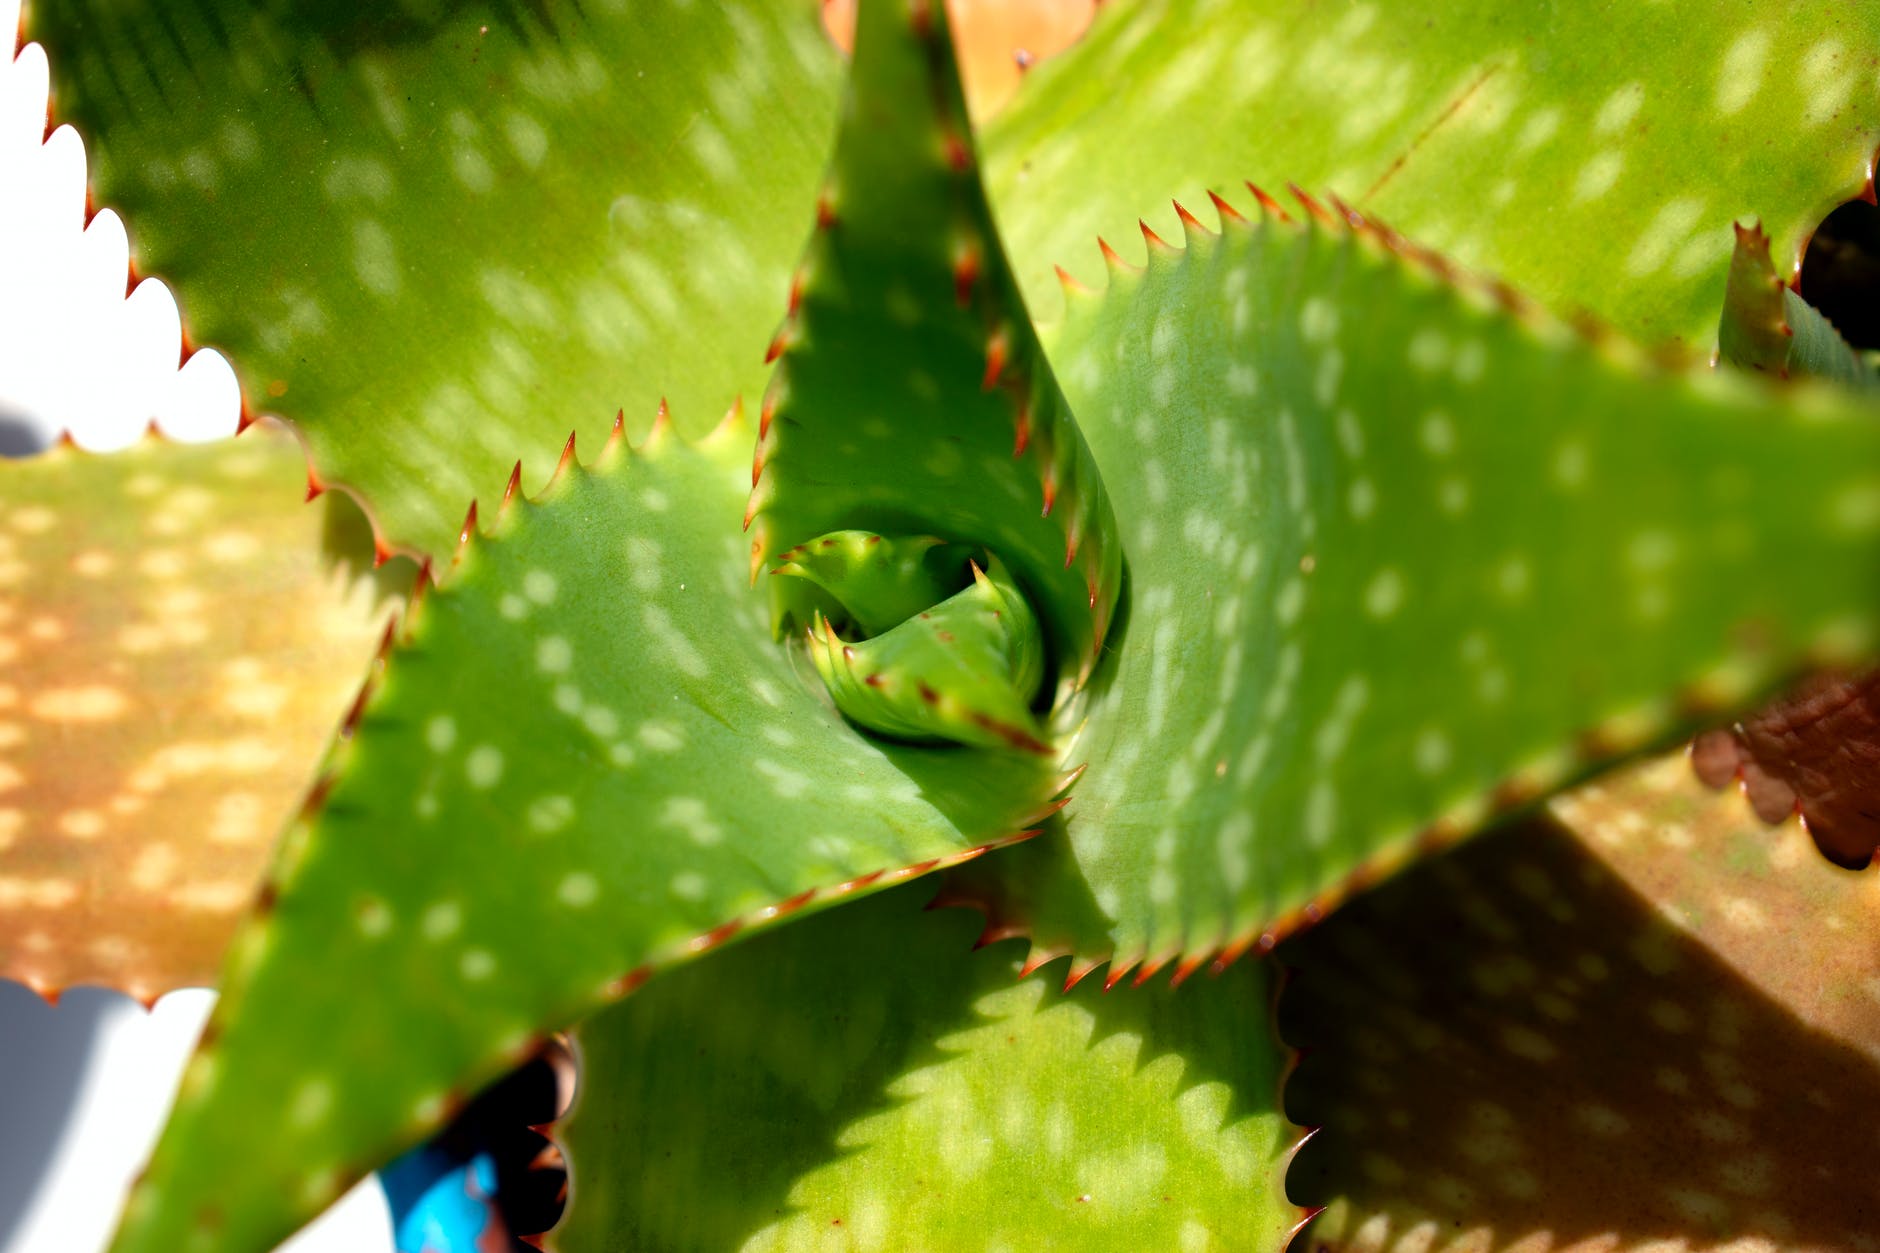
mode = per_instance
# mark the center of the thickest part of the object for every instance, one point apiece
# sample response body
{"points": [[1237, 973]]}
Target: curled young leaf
{"points": [[865, 582], [911, 396], [965, 671], [648, 778], [1767, 326]]}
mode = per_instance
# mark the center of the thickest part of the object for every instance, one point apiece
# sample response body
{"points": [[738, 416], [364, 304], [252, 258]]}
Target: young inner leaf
{"points": [[964, 671], [864, 582]]}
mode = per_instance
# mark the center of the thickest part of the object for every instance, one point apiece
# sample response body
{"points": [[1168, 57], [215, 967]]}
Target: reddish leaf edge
{"points": [[733, 427], [546, 1241], [384, 548], [153, 434], [250, 940], [1708, 699]]}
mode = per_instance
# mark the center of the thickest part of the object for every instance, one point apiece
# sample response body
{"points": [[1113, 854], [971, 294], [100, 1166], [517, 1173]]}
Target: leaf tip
{"points": [[1156, 243], [1316, 211], [1268, 205], [1224, 210], [511, 487]]}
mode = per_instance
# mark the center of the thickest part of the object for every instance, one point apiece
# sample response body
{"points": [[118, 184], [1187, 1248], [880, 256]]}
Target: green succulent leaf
{"points": [[860, 1081], [1401, 559], [1627, 1025], [1593, 156], [440, 235], [178, 642], [586, 760], [911, 397], [964, 672], [866, 582], [1767, 326]]}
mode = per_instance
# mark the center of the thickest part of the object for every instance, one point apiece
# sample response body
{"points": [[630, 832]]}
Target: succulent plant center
{"points": [[916, 638]]}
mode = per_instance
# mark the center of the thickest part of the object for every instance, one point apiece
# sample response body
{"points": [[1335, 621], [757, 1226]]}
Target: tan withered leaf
{"points": [[177, 644], [1650, 1022]]}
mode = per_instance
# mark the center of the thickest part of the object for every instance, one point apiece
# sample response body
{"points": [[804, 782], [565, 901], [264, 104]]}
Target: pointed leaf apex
{"points": [[1069, 283], [998, 348], [1228, 213], [797, 280], [1187, 968], [512, 487], [778, 342], [1114, 260], [467, 531], [1271, 206], [1148, 970], [1036, 960], [966, 266], [1191, 225], [1118, 970], [1156, 242], [1318, 212]]}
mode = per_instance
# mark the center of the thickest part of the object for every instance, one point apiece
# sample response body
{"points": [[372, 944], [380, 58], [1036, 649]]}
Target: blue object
{"points": [[442, 1204]]}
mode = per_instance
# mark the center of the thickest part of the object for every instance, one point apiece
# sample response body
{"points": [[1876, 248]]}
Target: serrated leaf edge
{"points": [[1627, 733], [250, 942]]}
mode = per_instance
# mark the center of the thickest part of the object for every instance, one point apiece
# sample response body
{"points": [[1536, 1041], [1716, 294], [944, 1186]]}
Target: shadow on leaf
{"points": [[859, 1070], [1519, 1046]]}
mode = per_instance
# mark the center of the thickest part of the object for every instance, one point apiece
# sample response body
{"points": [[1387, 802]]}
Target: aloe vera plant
{"points": [[1154, 619]]}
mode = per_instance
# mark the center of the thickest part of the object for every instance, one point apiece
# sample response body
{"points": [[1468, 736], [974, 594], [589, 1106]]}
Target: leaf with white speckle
{"points": [[175, 648], [1643, 1023], [585, 760], [1593, 155], [864, 1078], [439, 236], [911, 396], [1400, 560]]}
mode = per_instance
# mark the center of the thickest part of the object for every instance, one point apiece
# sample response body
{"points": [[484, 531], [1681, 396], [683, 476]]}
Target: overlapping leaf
{"points": [[437, 234], [1643, 1024], [911, 397], [176, 649], [860, 1081], [585, 760], [1593, 156], [1399, 559], [1766, 326]]}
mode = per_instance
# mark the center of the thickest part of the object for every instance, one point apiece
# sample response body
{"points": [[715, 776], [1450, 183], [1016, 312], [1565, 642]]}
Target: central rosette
{"points": [[917, 638]]}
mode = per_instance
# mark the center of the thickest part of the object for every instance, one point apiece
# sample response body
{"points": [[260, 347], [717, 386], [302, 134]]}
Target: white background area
{"points": [[83, 1087]]}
